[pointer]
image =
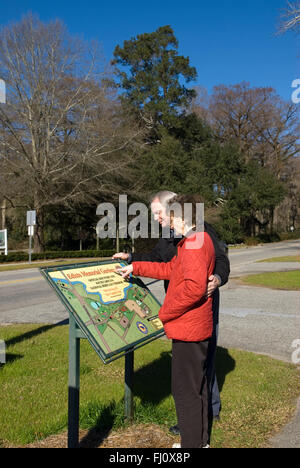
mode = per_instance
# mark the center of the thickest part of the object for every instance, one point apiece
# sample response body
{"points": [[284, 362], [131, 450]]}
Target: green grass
{"points": [[258, 393], [294, 258], [287, 280]]}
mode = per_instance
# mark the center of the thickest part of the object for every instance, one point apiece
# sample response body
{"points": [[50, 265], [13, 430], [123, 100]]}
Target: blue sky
{"points": [[227, 41]]}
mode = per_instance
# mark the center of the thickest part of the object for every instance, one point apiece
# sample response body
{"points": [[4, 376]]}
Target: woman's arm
{"points": [[156, 270]]}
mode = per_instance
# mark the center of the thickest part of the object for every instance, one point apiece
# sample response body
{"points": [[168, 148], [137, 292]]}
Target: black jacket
{"points": [[165, 249]]}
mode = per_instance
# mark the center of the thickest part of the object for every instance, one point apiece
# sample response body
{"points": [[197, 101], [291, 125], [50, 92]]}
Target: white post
{"points": [[118, 239], [5, 240], [2, 352], [31, 222], [30, 234]]}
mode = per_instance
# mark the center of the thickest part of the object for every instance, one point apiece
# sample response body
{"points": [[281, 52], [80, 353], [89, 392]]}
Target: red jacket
{"points": [[186, 312]]}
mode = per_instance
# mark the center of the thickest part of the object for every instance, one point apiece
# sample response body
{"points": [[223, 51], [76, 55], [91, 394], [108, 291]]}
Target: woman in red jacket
{"points": [[187, 318]]}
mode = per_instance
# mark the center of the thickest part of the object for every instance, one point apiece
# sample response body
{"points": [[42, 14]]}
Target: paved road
{"points": [[255, 319], [25, 297], [251, 318]]}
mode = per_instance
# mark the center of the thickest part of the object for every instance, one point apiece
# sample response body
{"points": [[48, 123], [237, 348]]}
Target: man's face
{"points": [[159, 213]]}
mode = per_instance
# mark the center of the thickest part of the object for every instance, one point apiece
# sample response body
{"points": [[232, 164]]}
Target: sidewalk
{"points": [[289, 437]]}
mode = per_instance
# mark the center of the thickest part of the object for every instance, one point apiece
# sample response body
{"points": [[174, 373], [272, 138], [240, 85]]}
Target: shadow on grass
{"points": [[9, 358], [146, 387], [224, 365], [152, 384], [33, 333], [105, 421]]}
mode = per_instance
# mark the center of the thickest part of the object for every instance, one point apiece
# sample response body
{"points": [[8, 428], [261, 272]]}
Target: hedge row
{"points": [[23, 256]]}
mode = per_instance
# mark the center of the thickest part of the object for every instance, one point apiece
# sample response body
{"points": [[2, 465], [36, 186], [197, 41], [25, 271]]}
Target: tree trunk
{"points": [[39, 241], [271, 220], [3, 214]]}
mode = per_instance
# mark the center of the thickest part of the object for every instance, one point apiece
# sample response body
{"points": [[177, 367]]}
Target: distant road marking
{"points": [[25, 280]]}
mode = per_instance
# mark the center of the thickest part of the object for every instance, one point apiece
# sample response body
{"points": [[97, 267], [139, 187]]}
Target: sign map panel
{"points": [[114, 314], [3, 240]]}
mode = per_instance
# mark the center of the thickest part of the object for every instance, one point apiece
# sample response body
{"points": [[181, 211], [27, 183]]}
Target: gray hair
{"points": [[164, 196]]}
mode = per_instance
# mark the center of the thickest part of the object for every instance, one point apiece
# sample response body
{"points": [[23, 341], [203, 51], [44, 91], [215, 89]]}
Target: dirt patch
{"points": [[139, 436]]}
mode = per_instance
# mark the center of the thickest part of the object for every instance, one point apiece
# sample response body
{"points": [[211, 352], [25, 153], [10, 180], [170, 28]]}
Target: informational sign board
{"points": [[115, 315], [3, 240]]}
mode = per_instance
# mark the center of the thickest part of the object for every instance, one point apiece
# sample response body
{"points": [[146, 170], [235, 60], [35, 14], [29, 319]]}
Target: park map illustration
{"points": [[117, 313]]}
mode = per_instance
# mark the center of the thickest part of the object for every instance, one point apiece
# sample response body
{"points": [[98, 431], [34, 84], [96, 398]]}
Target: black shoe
{"points": [[174, 430]]}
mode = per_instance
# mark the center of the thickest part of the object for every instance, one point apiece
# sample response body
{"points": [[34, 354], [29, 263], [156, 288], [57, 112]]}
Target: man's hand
{"points": [[213, 284], [125, 271], [121, 256]]}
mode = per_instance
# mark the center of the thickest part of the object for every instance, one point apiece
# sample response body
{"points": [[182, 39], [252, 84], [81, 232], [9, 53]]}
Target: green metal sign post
{"points": [[129, 371], [75, 335]]}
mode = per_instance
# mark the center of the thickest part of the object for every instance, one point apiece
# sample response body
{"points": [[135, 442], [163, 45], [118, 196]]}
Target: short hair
{"points": [[181, 200], [164, 196]]}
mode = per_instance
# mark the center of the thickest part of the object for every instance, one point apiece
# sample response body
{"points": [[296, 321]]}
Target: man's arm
{"points": [[222, 267], [163, 251], [153, 256]]}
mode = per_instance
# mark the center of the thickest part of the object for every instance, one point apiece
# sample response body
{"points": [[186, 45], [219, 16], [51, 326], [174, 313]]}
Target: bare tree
{"points": [[62, 136], [200, 103], [290, 19], [264, 127]]}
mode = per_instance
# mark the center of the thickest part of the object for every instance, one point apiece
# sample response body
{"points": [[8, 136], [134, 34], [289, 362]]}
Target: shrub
{"points": [[251, 241]]}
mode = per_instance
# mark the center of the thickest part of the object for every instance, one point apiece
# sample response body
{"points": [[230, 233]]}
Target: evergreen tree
{"points": [[151, 74]]}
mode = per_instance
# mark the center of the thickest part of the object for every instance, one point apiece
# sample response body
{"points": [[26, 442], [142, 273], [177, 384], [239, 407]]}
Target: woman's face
{"points": [[177, 224], [159, 213]]}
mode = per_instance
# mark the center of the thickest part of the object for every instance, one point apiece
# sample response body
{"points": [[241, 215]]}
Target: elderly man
{"points": [[164, 251]]}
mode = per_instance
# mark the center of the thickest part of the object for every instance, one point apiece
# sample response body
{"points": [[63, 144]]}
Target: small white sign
{"points": [[3, 240], [30, 230], [31, 218]]}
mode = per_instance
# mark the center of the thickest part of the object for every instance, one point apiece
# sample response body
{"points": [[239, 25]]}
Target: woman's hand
{"points": [[125, 272]]}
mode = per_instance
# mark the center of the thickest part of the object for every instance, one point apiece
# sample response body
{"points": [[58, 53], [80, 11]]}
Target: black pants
{"points": [[189, 389]]}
